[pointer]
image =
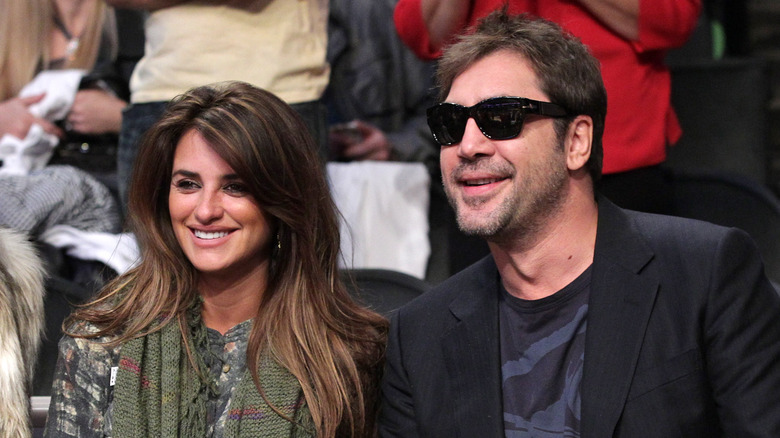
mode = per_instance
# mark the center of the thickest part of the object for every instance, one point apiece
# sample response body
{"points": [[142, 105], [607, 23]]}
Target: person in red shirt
{"points": [[630, 39]]}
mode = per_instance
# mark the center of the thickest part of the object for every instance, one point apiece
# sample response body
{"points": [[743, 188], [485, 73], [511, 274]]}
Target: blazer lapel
{"points": [[471, 351], [622, 297]]}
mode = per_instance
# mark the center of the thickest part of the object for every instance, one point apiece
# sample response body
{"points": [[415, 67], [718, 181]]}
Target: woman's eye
{"points": [[235, 189], [185, 184]]}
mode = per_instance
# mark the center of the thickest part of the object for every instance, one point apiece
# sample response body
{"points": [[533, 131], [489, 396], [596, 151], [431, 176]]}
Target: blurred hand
{"points": [[95, 112], [16, 119], [359, 140]]}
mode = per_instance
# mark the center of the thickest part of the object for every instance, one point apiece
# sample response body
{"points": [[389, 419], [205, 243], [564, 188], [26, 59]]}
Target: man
{"points": [[630, 38], [586, 320]]}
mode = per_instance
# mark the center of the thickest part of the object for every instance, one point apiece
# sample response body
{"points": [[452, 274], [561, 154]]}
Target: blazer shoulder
{"points": [[686, 235], [637, 241], [692, 252], [466, 283]]}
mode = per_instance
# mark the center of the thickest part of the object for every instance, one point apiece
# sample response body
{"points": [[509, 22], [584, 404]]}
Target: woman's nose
{"points": [[209, 207]]}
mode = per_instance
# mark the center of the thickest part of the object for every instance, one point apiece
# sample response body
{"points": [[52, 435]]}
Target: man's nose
{"points": [[474, 143]]}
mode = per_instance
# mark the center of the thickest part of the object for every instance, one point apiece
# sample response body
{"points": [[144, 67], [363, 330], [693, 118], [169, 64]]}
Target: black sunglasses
{"points": [[499, 118]]}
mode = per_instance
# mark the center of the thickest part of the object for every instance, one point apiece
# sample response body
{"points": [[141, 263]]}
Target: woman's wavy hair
{"points": [[568, 74], [25, 29], [307, 319]]}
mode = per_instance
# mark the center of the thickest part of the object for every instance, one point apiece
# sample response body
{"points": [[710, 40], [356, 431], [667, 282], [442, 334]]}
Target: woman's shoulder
{"points": [[82, 383], [85, 329], [81, 343]]}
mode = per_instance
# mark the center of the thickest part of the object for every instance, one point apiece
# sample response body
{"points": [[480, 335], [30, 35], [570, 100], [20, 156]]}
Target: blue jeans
{"points": [[137, 118]]}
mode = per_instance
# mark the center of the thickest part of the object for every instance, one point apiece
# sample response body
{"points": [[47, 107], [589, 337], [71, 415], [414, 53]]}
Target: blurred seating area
{"points": [[726, 91], [764, 34], [725, 169], [722, 90]]}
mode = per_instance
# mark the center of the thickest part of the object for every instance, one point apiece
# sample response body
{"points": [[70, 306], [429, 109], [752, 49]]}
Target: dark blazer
{"points": [[683, 340]]}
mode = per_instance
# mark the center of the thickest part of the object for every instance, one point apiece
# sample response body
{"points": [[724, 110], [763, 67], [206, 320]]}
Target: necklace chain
{"points": [[73, 41]]}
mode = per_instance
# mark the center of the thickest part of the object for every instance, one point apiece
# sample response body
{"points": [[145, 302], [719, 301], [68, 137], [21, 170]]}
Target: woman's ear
{"points": [[579, 140]]}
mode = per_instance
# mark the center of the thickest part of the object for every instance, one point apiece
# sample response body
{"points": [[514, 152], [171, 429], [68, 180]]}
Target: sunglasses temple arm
{"points": [[551, 109]]}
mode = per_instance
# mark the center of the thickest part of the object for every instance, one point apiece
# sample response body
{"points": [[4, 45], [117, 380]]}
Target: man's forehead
{"points": [[501, 73]]}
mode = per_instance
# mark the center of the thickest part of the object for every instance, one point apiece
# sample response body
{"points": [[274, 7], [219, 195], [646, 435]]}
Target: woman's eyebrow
{"points": [[185, 173], [191, 174]]}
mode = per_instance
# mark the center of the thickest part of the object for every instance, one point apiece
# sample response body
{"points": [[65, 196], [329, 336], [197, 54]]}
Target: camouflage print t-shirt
{"points": [[82, 393]]}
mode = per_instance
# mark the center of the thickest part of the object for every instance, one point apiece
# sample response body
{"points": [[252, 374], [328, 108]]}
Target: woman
{"points": [[240, 247], [37, 35]]}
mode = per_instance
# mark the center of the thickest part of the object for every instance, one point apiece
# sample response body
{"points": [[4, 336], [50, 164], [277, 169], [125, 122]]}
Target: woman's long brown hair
{"points": [[307, 319]]}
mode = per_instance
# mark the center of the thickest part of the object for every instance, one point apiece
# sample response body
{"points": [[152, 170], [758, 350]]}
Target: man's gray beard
{"points": [[518, 216], [493, 223]]}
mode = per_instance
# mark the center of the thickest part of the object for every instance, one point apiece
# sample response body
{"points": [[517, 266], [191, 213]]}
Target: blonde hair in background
{"points": [[25, 32], [101, 23], [23, 41]]}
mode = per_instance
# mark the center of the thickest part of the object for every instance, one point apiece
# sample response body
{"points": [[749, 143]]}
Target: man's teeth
{"points": [[480, 182], [205, 235]]}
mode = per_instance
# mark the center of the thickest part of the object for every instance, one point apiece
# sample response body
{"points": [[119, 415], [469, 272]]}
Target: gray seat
{"points": [[735, 201], [382, 290], [722, 107]]}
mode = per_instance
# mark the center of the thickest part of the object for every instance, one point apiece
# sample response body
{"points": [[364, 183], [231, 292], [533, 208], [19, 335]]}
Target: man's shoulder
{"points": [[471, 280], [689, 247], [657, 230], [664, 230], [426, 320]]}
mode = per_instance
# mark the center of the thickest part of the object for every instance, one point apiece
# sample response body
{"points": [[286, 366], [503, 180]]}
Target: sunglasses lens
{"points": [[447, 122], [500, 120]]}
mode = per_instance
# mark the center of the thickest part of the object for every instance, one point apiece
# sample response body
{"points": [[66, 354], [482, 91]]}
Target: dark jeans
{"points": [[136, 120], [139, 117]]}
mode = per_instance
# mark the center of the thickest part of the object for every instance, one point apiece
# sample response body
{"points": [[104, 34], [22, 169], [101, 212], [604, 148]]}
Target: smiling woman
{"points": [[219, 225], [235, 322]]}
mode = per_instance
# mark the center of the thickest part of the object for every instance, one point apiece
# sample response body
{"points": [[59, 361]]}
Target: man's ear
{"points": [[579, 140]]}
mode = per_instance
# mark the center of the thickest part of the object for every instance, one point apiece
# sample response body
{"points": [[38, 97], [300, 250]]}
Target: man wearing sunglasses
{"points": [[586, 319], [630, 38]]}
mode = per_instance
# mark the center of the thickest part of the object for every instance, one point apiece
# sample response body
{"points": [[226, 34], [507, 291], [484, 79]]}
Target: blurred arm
{"points": [[444, 18], [622, 16], [96, 112], [16, 119]]}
